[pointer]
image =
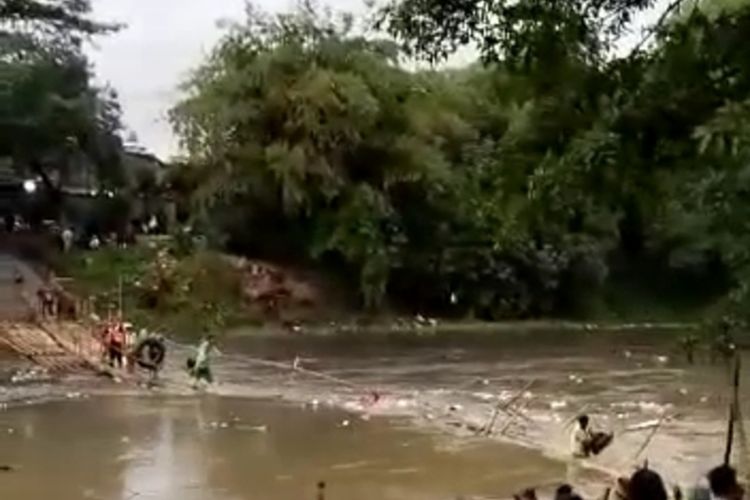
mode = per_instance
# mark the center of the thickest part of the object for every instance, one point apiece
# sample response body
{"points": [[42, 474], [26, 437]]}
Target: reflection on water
{"points": [[227, 448]]}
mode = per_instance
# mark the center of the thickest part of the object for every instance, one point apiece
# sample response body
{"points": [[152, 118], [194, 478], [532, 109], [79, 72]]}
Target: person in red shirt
{"points": [[116, 344]]}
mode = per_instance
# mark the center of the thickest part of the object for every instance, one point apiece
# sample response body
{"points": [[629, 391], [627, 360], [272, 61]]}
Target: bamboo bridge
{"points": [[60, 346]]}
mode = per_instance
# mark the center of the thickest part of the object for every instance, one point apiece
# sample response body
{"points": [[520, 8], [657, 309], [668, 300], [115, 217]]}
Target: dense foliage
{"points": [[52, 119], [513, 188]]}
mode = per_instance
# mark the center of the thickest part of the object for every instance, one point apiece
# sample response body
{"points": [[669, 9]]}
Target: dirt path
{"points": [[16, 298]]}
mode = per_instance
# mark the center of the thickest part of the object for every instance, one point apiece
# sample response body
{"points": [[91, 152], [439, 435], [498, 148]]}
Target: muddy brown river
{"points": [[266, 432]]}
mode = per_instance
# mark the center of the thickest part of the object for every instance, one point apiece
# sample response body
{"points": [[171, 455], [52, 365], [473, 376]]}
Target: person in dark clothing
{"points": [[646, 484], [563, 492], [46, 302], [723, 483], [527, 494], [116, 345]]}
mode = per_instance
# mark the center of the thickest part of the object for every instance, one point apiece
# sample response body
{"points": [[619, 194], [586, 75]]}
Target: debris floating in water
{"points": [[350, 465], [353, 406], [408, 470], [575, 379], [649, 424], [649, 406], [345, 423], [253, 428], [662, 359], [484, 396], [558, 405], [403, 403]]}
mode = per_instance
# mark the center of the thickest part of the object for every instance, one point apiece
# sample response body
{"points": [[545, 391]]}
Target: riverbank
{"points": [[189, 294]]}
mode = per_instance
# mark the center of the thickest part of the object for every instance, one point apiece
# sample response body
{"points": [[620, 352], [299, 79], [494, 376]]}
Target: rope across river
{"points": [[295, 366]]}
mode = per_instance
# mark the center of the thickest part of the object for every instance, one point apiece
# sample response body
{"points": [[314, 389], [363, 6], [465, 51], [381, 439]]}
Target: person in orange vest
{"points": [[116, 344]]}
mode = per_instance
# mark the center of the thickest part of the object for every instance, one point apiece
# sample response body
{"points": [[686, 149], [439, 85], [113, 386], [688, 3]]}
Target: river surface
{"points": [[388, 418]]}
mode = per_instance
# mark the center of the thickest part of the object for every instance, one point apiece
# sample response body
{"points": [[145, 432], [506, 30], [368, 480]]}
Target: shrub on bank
{"points": [[184, 295]]}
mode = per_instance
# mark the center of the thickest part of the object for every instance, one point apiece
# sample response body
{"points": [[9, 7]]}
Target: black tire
{"points": [[150, 353], [600, 441]]}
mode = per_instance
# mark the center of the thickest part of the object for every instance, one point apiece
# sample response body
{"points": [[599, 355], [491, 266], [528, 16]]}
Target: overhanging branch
{"points": [[659, 23]]}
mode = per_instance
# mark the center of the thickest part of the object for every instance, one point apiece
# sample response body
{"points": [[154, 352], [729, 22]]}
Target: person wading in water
{"points": [[200, 366], [584, 442]]}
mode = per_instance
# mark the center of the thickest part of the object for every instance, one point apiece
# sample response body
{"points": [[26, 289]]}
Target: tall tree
{"points": [[31, 27], [52, 119]]}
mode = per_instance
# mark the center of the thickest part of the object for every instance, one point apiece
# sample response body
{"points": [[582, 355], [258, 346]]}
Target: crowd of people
{"points": [[645, 484], [122, 348]]}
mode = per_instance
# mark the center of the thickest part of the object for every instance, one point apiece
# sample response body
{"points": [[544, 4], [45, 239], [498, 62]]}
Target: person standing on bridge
{"points": [[46, 301]]}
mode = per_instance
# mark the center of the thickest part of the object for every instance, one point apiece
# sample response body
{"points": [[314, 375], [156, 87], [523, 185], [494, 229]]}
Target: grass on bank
{"points": [[184, 296]]}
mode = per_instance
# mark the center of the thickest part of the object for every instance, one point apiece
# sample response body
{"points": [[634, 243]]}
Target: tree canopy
{"points": [[517, 186], [52, 118]]}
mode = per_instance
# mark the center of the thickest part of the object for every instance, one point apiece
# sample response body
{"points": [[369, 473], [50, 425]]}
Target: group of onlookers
{"points": [[645, 484], [93, 240]]}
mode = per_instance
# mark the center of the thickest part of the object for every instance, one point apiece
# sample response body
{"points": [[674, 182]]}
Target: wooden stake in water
{"points": [[119, 295], [321, 491], [733, 410], [504, 406]]}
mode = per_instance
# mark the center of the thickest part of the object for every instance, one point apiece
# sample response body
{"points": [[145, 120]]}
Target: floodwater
{"points": [[229, 449], [266, 432]]}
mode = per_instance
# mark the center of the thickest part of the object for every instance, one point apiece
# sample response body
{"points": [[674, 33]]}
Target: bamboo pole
{"points": [[650, 436], [733, 410], [119, 297], [504, 406]]}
